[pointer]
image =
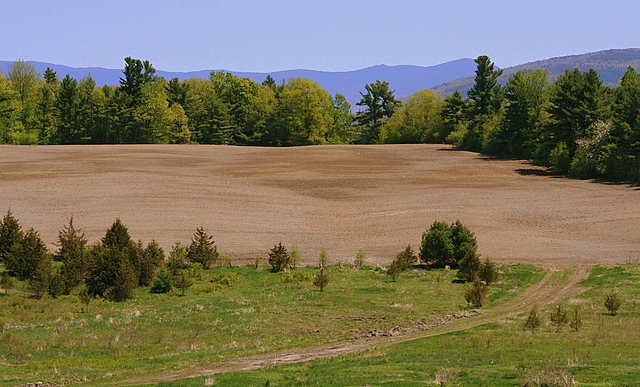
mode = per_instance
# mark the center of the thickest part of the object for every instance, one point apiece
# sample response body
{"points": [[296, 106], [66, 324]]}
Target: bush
{"points": [[321, 279], [559, 159], [395, 269], [469, 267], [202, 249], [559, 318], [437, 246], [489, 272], [446, 245], [162, 283], [533, 321], [279, 258], [360, 260], [297, 277], [407, 258], [477, 293], [612, 302], [549, 376]]}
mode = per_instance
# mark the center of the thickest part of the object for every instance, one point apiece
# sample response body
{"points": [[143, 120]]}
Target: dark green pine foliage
{"points": [[486, 98], [279, 258], [453, 113], [26, 254], [67, 106], [527, 95], [437, 247], [624, 153], [202, 249], [146, 261], [577, 101], [10, 233], [380, 104], [136, 74], [111, 272], [463, 240], [72, 252]]}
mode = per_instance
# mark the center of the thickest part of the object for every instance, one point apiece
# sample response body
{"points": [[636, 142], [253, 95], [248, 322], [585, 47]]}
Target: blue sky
{"points": [[264, 36]]}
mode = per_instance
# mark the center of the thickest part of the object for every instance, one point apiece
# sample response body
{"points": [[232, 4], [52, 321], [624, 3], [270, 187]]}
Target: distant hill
{"points": [[405, 80], [610, 65]]}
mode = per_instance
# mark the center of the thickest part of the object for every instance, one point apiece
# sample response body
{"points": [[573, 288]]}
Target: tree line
{"points": [[574, 124], [113, 267]]}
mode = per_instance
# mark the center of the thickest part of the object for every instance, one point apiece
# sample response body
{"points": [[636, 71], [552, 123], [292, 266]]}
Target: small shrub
{"points": [[489, 272], [321, 279], [162, 283], [559, 318], [182, 281], [225, 279], [576, 320], [361, 259], [395, 269], [446, 377], [477, 293], [407, 257], [549, 376], [279, 258], [559, 158], [296, 257], [202, 249], [612, 302], [323, 258], [533, 321], [297, 277]]}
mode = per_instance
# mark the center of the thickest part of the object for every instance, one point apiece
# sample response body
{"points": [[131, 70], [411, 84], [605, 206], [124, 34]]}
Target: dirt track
{"points": [[342, 198], [547, 291]]}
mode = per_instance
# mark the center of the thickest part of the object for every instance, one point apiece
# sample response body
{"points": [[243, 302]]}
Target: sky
{"points": [[331, 35]]}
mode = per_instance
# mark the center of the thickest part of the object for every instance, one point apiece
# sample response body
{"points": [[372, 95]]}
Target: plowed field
{"points": [[342, 198]]}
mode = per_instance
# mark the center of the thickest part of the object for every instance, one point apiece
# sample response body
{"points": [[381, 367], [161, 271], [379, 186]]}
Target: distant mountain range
{"points": [[610, 65], [405, 80]]}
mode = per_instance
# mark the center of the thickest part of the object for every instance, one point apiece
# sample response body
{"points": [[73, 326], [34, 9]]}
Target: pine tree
{"points": [[321, 279], [10, 233], [279, 258], [72, 253], [202, 249]]}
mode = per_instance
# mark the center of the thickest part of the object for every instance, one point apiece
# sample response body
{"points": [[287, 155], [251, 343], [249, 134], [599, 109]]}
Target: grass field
{"points": [[227, 313], [603, 352]]}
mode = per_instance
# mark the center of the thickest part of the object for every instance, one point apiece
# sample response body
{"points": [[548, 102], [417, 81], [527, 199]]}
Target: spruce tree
{"points": [[202, 249]]}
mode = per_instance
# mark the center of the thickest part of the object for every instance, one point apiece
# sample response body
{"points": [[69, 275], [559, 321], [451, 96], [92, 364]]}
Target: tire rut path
{"points": [[552, 288]]}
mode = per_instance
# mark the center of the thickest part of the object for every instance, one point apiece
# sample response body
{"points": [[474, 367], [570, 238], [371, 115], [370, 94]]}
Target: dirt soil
{"points": [[342, 198]]}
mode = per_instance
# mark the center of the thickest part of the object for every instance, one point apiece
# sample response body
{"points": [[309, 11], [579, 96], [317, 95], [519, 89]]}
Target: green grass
{"points": [[603, 352], [229, 312]]}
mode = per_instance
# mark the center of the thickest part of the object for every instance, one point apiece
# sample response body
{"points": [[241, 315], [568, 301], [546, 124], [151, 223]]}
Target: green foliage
{"points": [[182, 281], [469, 267], [295, 255], [395, 269], [612, 302], [437, 246], [559, 159], [576, 320], [296, 277], [177, 258], [407, 258], [321, 279], [323, 258], [446, 245], [72, 252], [360, 260], [489, 272], [380, 105], [6, 282], [10, 233], [416, 121], [559, 318], [476, 293], [163, 282], [279, 258], [26, 255], [202, 249], [533, 320]]}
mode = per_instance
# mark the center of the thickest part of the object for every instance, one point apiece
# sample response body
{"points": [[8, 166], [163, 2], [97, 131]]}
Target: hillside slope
{"points": [[342, 198], [610, 65]]}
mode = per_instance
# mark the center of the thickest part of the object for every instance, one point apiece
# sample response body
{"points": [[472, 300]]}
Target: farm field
{"points": [[341, 198], [546, 231]]}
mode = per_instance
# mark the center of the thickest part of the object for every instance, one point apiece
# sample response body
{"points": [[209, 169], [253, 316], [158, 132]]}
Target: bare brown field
{"points": [[342, 198]]}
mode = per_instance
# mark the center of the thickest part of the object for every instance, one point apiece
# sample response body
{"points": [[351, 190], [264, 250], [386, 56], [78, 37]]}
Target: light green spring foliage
{"points": [[323, 258], [295, 255]]}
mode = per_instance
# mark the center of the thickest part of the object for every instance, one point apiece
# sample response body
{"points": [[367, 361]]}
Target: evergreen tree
{"points": [[10, 233], [486, 100], [25, 255], [202, 249], [437, 246], [67, 106], [279, 258], [321, 280], [72, 252], [380, 104]]}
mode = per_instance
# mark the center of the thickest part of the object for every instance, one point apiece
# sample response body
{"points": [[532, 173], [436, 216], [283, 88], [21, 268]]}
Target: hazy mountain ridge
{"points": [[610, 65], [404, 79]]}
